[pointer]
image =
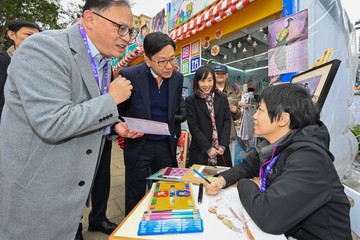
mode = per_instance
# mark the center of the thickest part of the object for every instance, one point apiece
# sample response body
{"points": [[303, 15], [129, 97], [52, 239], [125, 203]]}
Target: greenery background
{"points": [[48, 14]]}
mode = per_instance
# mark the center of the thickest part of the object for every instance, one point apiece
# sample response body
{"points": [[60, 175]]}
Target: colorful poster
{"points": [[181, 151], [158, 22], [185, 52], [182, 10], [185, 67], [288, 45], [144, 30], [190, 57], [195, 48]]}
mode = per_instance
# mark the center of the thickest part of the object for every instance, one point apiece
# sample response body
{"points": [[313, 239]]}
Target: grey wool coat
{"points": [[50, 136]]}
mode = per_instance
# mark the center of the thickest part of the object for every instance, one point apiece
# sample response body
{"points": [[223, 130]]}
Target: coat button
{"points": [[89, 151], [81, 183]]}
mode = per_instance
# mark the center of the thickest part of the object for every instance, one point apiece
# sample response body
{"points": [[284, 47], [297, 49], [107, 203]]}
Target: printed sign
{"points": [[190, 57]]}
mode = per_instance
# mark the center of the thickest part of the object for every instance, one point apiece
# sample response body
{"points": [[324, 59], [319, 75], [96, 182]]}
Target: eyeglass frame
{"points": [[166, 62], [131, 31]]}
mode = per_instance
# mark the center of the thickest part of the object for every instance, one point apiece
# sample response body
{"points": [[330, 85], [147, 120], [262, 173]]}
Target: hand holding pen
{"points": [[215, 186]]}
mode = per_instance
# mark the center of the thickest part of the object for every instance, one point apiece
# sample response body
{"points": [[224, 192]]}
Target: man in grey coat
{"points": [[58, 105]]}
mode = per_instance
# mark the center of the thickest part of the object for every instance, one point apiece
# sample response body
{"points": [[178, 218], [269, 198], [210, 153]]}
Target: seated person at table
{"points": [[209, 120], [299, 193]]}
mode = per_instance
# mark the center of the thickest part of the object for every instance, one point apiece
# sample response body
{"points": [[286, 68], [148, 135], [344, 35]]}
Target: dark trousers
{"points": [[101, 188], [154, 156]]}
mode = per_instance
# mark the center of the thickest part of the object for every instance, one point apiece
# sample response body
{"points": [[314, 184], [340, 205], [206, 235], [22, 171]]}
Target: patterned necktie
{"points": [[158, 81]]}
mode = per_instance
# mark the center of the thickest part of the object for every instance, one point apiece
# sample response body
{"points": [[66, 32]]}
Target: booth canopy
{"points": [[216, 13]]}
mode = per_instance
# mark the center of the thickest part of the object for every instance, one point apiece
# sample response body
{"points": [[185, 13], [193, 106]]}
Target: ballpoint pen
{"points": [[200, 175]]}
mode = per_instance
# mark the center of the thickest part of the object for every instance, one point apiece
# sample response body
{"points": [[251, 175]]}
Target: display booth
{"points": [[266, 42]]}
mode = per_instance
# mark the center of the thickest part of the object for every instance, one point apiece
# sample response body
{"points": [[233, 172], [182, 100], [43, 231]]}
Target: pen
{"points": [[200, 196], [202, 176]]}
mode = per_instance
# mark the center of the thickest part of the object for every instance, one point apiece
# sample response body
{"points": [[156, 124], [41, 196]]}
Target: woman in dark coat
{"points": [[209, 119]]}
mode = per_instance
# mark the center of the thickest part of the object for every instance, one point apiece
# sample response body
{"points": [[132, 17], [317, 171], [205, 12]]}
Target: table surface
{"points": [[213, 227]]}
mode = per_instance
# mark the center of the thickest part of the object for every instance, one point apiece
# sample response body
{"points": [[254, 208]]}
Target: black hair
{"points": [[17, 24], [293, 99], [201, 73], [104, 4], [154, 42]]}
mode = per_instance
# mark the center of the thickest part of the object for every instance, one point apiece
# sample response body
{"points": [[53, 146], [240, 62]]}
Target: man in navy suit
{"points": [[156, 95]]}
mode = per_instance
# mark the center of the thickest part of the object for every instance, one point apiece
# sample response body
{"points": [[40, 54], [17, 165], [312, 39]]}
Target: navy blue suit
{"points": [[142, 155]]}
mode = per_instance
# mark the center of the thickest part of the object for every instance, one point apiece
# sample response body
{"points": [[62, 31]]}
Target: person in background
{"points": [[18, 31], [180, 117], [298, 192], [221, 74], [209, 121], [59, 103], [156, 96]]}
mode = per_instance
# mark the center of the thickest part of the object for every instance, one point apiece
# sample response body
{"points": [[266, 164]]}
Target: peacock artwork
{"points": [[288, 44]]}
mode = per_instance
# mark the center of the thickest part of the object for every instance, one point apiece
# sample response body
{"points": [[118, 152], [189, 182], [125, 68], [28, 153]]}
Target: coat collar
{"points": [[81, 57]]}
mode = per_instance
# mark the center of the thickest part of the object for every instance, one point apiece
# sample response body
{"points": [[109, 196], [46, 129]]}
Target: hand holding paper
{"points": [[147, 126], [123, 130]]}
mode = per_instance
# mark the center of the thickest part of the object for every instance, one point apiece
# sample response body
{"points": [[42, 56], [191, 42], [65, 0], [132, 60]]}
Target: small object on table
{"points": [[200, 196]]}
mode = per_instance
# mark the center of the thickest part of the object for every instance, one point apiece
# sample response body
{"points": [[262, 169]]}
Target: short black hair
{"points": [[17, 24], [201, 73], [154, 42], [293, 99], [104, 4]]}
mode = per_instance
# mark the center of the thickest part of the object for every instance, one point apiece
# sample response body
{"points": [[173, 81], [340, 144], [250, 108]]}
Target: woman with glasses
{"points": [[209, 119]]}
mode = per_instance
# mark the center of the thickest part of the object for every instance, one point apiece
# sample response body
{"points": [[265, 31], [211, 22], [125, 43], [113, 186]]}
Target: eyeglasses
{"points": [[122, 29], [163, 63]]}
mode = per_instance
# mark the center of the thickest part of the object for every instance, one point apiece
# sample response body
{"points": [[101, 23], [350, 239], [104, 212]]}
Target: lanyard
{"points": [[95, 72], [267, 166]]}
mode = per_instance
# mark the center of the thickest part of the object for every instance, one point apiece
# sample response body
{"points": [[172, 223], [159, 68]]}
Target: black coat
{"points": [[304, 196], [4, 63], [138, 106], [199, 122]]}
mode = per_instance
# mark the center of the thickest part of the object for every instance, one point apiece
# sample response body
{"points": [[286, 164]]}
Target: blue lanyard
{"points": [[267, 165], [95, 72]]}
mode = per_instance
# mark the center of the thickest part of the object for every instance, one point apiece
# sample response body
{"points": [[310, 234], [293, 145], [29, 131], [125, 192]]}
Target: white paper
{"points": [[147, 126]]}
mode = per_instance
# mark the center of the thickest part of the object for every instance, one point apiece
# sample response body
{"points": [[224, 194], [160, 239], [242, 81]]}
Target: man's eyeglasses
{"points": [[122, 29], [163, 63]]}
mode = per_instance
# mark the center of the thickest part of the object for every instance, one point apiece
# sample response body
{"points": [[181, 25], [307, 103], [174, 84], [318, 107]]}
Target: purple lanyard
{"points": [[95, 72], [267, 166]]}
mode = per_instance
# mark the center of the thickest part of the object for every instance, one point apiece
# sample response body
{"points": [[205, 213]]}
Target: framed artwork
{"points": [[318, 80]]}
